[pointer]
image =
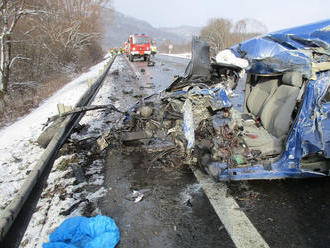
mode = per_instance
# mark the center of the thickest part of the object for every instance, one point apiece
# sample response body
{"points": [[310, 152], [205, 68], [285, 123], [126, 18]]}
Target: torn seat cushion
{"points": [[257, 138]]}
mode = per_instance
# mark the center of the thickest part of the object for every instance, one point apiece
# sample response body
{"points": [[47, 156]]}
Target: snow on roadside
{"points": [[18, 149], [64, 197]]}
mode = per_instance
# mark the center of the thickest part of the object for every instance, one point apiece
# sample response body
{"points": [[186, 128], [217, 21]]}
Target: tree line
{"points": [[222, 33]]}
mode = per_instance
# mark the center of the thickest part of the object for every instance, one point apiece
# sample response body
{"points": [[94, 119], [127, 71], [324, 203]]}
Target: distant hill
{"points": [[185, 32], [119, 26]]}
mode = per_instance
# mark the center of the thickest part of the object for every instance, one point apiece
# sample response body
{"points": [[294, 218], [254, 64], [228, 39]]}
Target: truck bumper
{"points": [[141, 53]]}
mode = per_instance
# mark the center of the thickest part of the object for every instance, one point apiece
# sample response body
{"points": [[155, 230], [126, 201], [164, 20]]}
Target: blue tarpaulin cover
{"points": [[83, 232], [289, 49]]}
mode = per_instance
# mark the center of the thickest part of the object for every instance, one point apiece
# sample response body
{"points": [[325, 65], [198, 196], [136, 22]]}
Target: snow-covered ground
{"points": [[61, 194], [178, 55], [19, 151]]}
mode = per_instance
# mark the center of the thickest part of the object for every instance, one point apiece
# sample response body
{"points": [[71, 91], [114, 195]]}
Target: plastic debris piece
{"points": [[146, 111], [188, 124], [83, 232], [131, 136], [136, 196], [151, 63], [238, 158], [227, 57]]}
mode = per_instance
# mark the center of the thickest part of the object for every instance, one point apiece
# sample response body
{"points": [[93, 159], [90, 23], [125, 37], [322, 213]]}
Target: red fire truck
{"points": [[139, 47]]}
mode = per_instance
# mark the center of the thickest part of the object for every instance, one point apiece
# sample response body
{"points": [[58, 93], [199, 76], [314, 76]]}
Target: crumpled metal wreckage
{"points": [[284, 130]]}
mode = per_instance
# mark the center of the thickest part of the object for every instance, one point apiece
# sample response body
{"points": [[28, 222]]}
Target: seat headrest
{"points": [[292, 78]]}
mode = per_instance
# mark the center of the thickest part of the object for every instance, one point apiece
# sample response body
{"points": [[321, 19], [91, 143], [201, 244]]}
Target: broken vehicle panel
{"points": [[294, 49]]}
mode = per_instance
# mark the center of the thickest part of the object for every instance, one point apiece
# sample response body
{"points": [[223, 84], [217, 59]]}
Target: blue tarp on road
{"points": [[83, 232]]}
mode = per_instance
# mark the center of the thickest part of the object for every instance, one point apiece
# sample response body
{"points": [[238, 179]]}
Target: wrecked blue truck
{"points": [[287, 91], [280, 130]]}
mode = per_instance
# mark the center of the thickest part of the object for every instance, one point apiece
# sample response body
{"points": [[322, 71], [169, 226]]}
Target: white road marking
{"points": [[237, 224]]}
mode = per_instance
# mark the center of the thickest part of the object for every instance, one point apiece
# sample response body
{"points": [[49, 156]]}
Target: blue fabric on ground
{"points": [[83, 232]]}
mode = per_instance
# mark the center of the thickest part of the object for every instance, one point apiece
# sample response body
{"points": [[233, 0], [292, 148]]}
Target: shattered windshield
{"points": [[140, 40]]}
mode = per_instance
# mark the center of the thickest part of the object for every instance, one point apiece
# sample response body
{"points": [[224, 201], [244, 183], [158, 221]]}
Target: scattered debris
{"points": [[145, 111], [102, 142], [139, 95], [113, 98], [222, 227], [47, 135], [131, 136], [83, 109], [73, 207], [151, 63], [188, 203], [138, 195], [180, 124], [78, 173], [127, 91], [115, 72]]}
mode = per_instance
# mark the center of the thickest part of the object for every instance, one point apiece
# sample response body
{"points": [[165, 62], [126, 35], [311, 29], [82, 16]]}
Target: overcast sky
{"points": [[275, 14]]}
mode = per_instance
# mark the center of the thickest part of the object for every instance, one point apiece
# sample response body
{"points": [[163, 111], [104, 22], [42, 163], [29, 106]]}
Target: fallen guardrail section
{"points": [[49, 155]]}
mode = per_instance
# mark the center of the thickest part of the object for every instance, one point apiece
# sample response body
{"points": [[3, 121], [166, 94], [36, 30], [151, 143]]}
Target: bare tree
{"points": [[61, 27], [56, 38], [239, 31], [254, 26], [217, 33], [11, 12], [221, 33], [246, 29], [68, 27]]}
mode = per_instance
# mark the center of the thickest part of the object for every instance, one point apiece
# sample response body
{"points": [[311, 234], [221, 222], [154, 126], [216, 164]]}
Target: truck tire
{"points": [[131, 58]]}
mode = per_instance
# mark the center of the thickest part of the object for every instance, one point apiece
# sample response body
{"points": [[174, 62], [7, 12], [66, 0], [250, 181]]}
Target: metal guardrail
{"points": [[48, 157]]}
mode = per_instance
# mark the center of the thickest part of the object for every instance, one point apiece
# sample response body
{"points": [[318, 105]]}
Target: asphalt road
{"points": [[287, 213]]}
